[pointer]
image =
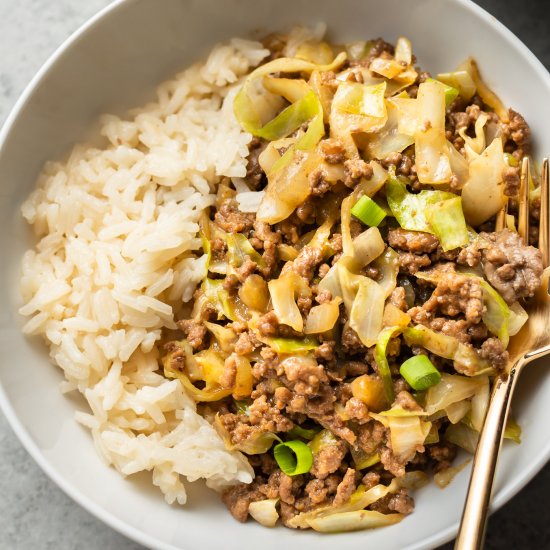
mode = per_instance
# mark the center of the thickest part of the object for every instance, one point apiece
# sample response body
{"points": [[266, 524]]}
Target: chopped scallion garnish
{"points": [[293, 457], [366, 210], [420, 373]]}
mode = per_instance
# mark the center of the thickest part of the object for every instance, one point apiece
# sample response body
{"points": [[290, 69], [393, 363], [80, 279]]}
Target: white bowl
{"points": [[114, 63]]}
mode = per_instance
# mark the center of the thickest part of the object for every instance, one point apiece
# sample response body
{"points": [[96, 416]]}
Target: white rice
{"points": [[115, 262]]}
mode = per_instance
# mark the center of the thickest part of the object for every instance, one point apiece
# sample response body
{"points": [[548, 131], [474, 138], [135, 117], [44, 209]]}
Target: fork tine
{"points": [[544, 224], [523, 218]]}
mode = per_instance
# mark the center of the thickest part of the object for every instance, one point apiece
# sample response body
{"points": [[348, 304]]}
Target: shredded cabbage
{"points": [[485, 93], [451, 389], [353, 521], [367, 311], [407, 432], [447, 222], [283, 292], [459, 166], [245, 106], [359, 500], [410, 209], [390, 138], [366, 247], [518, 317], [388, 266], [322, 317], [359, 107], [403, 51], [432, 156], [239, 248], [451, 93], [475, 146], [256, 444], [465, 358], [461, 81], [483, 193], [384, 337], [288, 187], [264, 511]]}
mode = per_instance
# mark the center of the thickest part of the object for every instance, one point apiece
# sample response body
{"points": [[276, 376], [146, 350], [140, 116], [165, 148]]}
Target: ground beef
{"points": [[231, 219], [195, 333], [245, 270], [319, 185], [328, 459], [238, 499], [345, 488], [391, 463], [268, 324], [459, 120], [392, 160], [351, 344], [513, 268], [404, 168], [326, 352], [377, 48], [442, 455], [398, 298], [333, 151], [511, 179], [495, 353], [306, 212], [229, 374], [265, 235], [357, 411], [317, 491], [355, 170], [516, 135], [410, 263], [356, 368], [456, 294], [246, 343], [254, 172], [370, 437], [456, 328], [305, 263], [406, 401], [416, 242], [305, 376], [399, 502], [370, 479]]}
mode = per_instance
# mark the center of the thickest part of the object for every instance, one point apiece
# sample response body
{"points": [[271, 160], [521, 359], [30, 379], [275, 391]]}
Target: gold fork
{"points": [[532, 342]]}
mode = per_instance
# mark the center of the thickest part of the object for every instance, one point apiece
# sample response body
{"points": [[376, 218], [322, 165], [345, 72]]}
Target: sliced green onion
{"points": [[293, 457], [366, 210], [420, 373], [304, 433]]}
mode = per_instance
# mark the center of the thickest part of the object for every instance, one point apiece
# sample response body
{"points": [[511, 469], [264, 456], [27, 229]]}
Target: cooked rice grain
{"points": [[115, 262]]}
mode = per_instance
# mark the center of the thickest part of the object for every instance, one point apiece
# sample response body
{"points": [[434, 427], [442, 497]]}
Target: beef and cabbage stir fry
{"points": [[358, 301]]}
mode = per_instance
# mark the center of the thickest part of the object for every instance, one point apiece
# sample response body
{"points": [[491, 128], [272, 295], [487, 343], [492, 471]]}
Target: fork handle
{"points": [[476, 509]]}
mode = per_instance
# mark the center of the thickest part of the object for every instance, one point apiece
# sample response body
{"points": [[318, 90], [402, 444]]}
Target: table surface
{"points": [[35, 514]]}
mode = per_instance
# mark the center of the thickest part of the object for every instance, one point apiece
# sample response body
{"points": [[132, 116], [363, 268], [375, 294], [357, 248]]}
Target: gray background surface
{"points": [[34, 513]]}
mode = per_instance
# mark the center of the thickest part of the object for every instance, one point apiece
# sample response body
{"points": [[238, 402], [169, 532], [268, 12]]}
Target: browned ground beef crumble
{"points": [[288, 393]]}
